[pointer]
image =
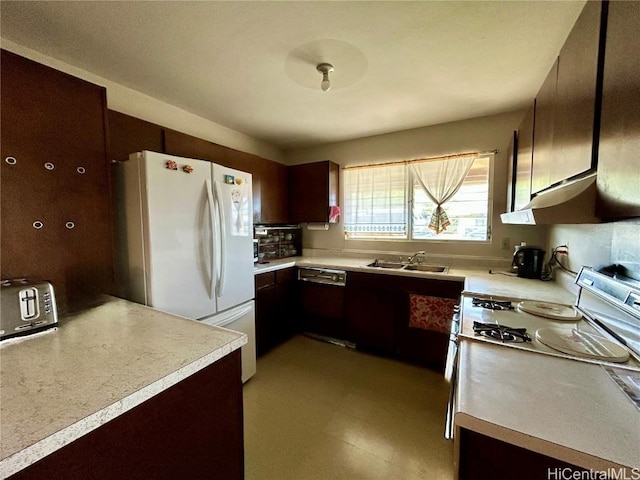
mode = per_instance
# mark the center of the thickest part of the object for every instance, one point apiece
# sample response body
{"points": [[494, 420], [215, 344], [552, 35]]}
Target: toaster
{"points": [[27, 307]]}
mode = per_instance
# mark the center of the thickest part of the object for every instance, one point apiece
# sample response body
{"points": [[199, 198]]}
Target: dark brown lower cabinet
{"points": [[377, 309], [192, 430], [423, 346], [373, 311], [276, 308], [486, 458]]}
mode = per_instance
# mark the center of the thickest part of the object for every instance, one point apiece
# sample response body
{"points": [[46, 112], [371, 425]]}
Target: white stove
{"points": [[602, 327]]}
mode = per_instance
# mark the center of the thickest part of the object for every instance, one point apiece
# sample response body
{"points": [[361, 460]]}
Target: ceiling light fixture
{"points": [[325, 69]]}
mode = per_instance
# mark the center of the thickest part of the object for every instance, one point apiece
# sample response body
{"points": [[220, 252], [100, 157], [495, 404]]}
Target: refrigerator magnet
{"points": [[187, 169], [229, 179], [171, 165]]}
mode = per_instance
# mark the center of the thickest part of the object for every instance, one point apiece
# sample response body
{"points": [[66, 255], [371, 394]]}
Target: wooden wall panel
{"points": [[53, 119]]}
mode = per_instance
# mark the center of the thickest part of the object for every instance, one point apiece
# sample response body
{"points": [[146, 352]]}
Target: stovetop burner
{"points": [[502, 332], [491, 304]]}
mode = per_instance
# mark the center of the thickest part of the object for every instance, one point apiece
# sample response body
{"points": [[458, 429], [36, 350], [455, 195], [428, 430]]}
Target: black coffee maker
{"points": [[529, 262]]}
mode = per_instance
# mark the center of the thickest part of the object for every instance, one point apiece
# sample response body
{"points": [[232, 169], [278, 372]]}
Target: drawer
{"points": [[286, 275], [264, 280]]}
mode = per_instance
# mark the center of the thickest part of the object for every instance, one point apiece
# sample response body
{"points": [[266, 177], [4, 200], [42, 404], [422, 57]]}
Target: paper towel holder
{"points": [[317, 226]]}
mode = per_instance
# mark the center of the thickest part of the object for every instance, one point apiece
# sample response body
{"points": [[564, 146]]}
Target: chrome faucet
{"points": [[412, 258]]}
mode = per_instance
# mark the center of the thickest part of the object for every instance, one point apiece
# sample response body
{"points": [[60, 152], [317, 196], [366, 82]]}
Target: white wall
{"points": [[139, 105], [478, 134]]}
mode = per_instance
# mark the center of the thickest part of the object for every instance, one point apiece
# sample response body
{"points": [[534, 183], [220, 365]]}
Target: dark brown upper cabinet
{"points": [[313, 189], [587, 115], [274, 192], [55, 181], [524, 160], [543, 136], [577, 99], [618, 163], [567, 106], [129, 135]]}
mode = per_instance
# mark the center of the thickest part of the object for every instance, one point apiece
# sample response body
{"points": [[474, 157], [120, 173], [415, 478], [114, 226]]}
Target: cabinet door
{"points": [[288, 308], [183, 145], [313, 188], [266, 311], [524, 160], [129, 135], [266, 317], [371, 317], [543, 137], [274, 192], [54, 127], [618, 164], [486, 458], [576, 97]]}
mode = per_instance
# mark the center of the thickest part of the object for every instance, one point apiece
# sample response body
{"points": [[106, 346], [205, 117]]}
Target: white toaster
{"points": [[27, 307]]}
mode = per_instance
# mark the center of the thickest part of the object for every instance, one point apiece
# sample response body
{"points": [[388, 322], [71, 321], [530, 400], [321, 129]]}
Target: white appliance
{"points": [[185, 241]]}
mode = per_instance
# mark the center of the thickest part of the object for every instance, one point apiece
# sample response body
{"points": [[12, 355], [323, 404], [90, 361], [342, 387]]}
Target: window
{"points": [[389, 202]]}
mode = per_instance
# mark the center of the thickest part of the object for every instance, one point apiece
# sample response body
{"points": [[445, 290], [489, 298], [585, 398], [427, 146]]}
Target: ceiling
{"points": [[251, 66]]}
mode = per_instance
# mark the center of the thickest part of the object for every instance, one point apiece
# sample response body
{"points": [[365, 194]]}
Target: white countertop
{"points": [[58, 385], [561, 408], [477, 280]]}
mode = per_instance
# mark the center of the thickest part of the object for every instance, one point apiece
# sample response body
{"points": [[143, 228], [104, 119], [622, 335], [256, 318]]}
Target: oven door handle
{"points": [[453, 379]]}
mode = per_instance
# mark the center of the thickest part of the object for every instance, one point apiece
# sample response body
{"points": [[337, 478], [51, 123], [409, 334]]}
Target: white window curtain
{"points": [[441, 180], [375, 202]]}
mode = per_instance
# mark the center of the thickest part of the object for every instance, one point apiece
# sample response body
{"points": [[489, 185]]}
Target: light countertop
{"points": [[477, 280], [561, 408], [99, 364]]}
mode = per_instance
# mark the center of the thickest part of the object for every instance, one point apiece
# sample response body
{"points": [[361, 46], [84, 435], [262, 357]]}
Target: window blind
{"points": [[375, 201]]}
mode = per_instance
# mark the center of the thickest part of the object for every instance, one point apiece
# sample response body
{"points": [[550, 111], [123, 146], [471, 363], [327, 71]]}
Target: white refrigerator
{"points": [[185, 241]]}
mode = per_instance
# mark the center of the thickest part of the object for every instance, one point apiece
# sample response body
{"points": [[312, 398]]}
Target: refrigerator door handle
{"points": [[223, 237], [235, 315], [212, 227]]}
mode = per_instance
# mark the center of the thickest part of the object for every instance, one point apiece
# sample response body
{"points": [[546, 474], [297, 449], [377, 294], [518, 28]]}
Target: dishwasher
{"points": [[323, 303]]}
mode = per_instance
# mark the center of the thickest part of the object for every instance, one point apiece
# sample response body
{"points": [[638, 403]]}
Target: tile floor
{"points": [[320, 411]]}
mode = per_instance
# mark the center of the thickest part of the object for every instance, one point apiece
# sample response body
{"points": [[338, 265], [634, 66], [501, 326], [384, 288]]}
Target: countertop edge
{"points": [[535, 444], [31, 454], [355, 265], [476, 279]]}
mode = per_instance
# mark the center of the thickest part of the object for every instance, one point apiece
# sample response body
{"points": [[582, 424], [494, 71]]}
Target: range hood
{"points": [[571, 202]]}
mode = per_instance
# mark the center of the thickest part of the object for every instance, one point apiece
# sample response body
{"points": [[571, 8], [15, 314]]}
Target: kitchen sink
{"points": [[383, 264], [427, 268], [418, 267]]}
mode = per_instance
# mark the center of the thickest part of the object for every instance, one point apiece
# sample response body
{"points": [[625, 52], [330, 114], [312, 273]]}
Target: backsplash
{"points": [[600, 244]]}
